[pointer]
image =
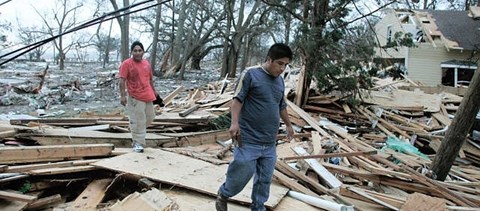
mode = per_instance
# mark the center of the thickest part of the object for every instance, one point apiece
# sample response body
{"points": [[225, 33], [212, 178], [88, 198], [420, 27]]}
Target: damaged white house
{"points": [[447, 44]]}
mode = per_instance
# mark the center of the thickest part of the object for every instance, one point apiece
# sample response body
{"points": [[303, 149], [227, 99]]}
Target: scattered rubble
{"points": [[374, 156]]}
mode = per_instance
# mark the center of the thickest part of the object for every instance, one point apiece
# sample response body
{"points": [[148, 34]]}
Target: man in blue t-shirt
{"points": [[258, 104]]}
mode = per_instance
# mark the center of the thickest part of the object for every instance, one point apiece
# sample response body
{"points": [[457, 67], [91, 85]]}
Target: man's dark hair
{"points": [[278, 51], [135, 44]]}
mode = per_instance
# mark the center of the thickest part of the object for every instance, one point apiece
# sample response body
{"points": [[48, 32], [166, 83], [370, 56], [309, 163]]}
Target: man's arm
{"points": [[286, 120], [151, 82], [123, 98], [153, 87], [235, 109]]}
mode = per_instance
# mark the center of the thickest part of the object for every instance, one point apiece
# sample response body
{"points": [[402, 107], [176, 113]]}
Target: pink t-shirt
{"points": [[138, 76]]}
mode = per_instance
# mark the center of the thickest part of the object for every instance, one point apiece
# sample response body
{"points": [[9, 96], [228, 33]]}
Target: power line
{"points": [[106, 17]]}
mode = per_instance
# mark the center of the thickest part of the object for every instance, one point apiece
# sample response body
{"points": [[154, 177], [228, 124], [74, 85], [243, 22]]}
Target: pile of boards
{"points": [[342, 157]]}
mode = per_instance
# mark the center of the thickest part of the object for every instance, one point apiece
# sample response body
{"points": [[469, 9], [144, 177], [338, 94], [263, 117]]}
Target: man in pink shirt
{"points": [[137, 78]]}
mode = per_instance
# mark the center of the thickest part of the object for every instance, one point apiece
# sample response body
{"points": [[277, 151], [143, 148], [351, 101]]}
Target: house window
{"points": [[389, 33], [457, 73]]}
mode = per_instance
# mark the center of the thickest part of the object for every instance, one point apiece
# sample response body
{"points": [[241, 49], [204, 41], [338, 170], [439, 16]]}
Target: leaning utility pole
{"points": [[457, 133]]}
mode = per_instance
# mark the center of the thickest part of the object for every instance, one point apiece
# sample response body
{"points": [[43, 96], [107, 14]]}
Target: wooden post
{"points": [[457, 133]]}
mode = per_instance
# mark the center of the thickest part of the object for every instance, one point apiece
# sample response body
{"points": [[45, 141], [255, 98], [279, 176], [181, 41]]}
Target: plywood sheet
{"points": [[183, 171], [405, 99], [199, 202]]}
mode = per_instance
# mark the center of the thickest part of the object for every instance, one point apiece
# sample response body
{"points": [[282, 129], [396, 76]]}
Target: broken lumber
{"points": [[16, 196], [322, 172], [329, 155], [51, 153], [43, 202], [92, 195], [188, 111]]}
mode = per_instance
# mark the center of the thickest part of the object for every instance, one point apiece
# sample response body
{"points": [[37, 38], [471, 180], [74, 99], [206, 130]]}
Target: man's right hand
{"points": [[235, 134], [123, 100]]}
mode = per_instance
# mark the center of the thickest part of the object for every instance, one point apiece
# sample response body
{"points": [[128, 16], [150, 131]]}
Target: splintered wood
{"points": [[375, 155]]}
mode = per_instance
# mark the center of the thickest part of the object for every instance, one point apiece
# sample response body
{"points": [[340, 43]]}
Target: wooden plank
{"points": [[199, 116], [25, 168], [383, 197], [68, 137], [57, 121], [168, 99], [53, 171], [58, 152], [442, 118], [190, 200], [153, 199], [46, 201], [386, 123], [346, 108], [316, 144], [322, 172], [92, 195], [292, 184], [13, 205], [309, 119], [196, 138], [188, 111], [188, 173], [300, 88], [7, 133], [329, 155], [225, 98], [438, 89], [418, 201], [405, 121], [91, 128], [404, 100], [13, 178], [376, 200], [286, 169], [16, 196]]}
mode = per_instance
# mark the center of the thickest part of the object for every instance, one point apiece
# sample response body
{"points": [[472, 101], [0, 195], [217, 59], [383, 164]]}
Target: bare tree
{"points": [[196, 29], [243, 18], [30, 35], [64, 20], [3, 38]]}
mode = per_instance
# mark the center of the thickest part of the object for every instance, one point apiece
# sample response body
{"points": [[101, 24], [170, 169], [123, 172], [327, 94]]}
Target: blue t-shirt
{"points": [[262, 96]]}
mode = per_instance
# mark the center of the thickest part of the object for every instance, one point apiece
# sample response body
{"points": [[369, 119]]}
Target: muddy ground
{"points": [[79, 89]]}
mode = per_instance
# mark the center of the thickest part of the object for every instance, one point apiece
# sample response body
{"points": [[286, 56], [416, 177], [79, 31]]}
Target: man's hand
{"points": [[290, 133], [235, 134], [123, 101]]}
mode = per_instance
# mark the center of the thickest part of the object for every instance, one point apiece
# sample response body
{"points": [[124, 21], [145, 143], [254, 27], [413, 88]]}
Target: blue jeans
{"points": [[250, 160]]}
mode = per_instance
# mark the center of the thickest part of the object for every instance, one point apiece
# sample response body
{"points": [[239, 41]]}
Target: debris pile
{"points": [[371, 156]]}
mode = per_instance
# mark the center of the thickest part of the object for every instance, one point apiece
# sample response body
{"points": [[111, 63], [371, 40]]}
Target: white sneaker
{"points": [[137, 147]]}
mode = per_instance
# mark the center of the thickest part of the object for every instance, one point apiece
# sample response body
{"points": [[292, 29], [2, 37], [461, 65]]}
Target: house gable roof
{"points": [[459, 27]]}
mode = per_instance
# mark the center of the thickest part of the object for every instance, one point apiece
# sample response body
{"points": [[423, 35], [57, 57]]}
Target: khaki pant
{"points": [[141, 114]]}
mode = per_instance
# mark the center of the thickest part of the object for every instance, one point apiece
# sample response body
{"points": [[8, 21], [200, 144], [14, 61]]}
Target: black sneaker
{"points": [[221, 202]]}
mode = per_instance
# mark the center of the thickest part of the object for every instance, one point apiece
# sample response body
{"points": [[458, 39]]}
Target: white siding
{"points": [[424, 62], [381, 30]]}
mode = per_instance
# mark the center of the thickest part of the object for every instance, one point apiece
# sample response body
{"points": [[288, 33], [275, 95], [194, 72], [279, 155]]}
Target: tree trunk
{"points": [[124, 23], [156, 29], [226, 41], [245, 51], [106, 60], [233, 57], [195, 61], [61, 54], [180, 35], [457, 133]]}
